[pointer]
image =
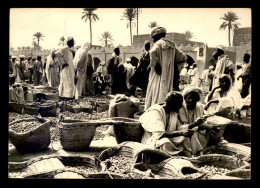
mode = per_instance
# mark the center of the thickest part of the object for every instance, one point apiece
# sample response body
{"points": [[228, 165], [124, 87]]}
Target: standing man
{"points": [[246, 76], [65, 58], [113, 70], [80, 64], [195, 76], [37, 71], [222, 65], [141, 75], [163, 55]]}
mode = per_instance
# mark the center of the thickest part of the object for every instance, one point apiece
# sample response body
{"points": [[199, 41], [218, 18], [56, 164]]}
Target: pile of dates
{"points": [[15, 116], [118, 164], [25, 126]]}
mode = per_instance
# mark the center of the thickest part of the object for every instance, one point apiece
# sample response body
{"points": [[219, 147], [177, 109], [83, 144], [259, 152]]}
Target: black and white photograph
{"points": [[130, 93]]}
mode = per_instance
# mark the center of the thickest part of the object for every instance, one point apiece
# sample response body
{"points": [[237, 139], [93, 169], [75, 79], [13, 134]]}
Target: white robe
{"points": [[66, 87], [164, 53]]}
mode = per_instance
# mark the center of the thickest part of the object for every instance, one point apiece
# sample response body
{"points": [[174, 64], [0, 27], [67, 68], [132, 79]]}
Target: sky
{"points": [[56, 22]]}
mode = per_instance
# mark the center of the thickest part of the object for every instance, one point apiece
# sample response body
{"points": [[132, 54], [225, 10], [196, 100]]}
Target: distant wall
{"points": [[242, 35]]}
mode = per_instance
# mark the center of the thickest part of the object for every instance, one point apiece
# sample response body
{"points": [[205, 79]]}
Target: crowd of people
{"points": [[173, 118]]}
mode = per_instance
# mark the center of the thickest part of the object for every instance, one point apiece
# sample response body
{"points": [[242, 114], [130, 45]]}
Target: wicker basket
{"points": [[36, 139], [87, 109], [233, 149], [177, 167], [31, 109], [136, 152], [66, 107], [48, 109], [237, 132], [218, 124], [105, 175], [127, 129], [76, 135], [50, 96], [49, 167], [15, 107], [102, 106]]}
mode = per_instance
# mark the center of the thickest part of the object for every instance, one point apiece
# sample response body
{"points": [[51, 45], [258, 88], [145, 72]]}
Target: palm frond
{"points": [[223, 25]]}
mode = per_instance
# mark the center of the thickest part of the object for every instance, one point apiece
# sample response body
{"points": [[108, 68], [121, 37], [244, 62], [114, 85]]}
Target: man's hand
{"points": [[158, 68], [200, 120], [187, 133]]}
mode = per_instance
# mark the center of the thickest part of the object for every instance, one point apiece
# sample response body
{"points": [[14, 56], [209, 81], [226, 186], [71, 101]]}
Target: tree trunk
{"points": [[229, 35], [137, 22], [131, 32], [106, 43], [90, 32], [38, 39]]}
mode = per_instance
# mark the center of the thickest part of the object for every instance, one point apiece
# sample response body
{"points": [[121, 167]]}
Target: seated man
{"points": [[223, 98], [163, 129], [189, 112], [16, 92]]}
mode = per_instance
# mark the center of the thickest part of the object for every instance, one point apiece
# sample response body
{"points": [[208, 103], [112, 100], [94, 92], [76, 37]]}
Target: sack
{"points": [[90, 70], [27, 74]]}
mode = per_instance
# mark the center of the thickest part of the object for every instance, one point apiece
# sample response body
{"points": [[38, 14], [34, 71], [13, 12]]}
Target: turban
{"points": [[86, 46], [189, 89], [157, 30], [13, 57], [21, 56], [127, 59]]}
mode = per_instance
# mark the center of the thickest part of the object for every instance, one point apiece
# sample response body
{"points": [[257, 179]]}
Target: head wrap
{"points": [[189, 89], [157, 30], [221, 47], [13, 57], [102, 63], [127, 59], [185, 65], [86, 46], [21, 56], [191, 67]]}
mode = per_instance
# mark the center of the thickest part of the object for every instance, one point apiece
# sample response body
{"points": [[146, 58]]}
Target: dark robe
{"points": [[112, 69], [141, 76]]}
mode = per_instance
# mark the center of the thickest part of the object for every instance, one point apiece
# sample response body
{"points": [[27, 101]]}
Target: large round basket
{"points": [[15, 107], [35, 139], [218, 124], [127, 129], [31, 109], [86, 109], [48, 110], [66, 107], [102, 106], [76, 135]]}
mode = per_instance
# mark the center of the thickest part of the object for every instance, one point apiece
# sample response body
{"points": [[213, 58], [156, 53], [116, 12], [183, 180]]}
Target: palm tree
{"points": [[35, 45], [230, 22], [138, 11], [88, 14], [188, 35], [38, 36], [130, 15], [153, 24], [106, 37]]}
